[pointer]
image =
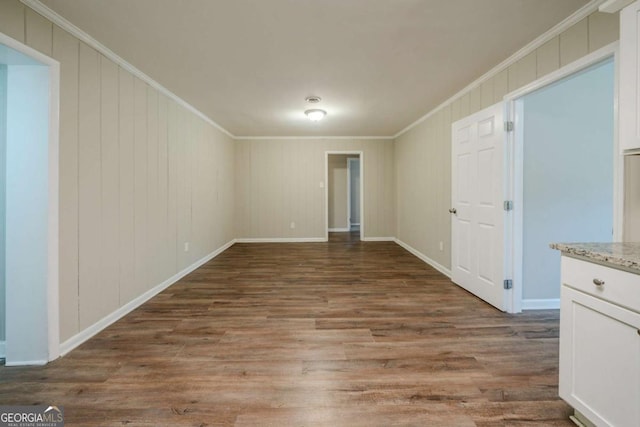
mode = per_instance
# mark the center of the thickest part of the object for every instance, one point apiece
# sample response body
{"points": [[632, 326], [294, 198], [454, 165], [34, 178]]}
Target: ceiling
{"points": [[378, 65]]}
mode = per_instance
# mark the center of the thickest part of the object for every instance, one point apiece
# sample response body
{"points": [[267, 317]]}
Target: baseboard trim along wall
{"points": [[541, 304], [92, 330], [281, 240], [379, 239], [442, 269]]}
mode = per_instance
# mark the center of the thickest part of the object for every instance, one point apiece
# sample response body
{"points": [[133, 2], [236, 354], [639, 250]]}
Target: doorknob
{"points": [[453, 211]]}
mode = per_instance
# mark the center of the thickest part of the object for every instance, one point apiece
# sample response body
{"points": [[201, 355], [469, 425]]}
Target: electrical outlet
{"points": [[186, 246], [292, 225], [321, 184], [442, 246]]}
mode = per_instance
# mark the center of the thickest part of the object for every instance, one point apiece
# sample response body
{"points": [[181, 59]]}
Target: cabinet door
{"points": [[600, 359], [629, 96]]}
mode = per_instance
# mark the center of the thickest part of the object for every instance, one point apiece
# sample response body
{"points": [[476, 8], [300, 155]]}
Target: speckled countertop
{"points": [[624, 256]]}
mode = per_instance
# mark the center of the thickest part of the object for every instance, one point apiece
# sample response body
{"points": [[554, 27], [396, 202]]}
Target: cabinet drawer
{"points": [[619, 287]]}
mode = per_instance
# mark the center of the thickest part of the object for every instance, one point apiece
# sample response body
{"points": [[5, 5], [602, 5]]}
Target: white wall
{"points": [[278, 182], [140, 176], [27, 213], [3, 162], [568, 172], [423, 153]]}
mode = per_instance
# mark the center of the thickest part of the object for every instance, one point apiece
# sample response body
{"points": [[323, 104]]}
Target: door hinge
{"points": [[508, 205], [508, 283], [508, 126]]}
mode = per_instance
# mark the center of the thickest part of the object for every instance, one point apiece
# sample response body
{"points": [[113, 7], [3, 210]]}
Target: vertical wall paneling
{"points": [[39, 32], [12, 17], [153, 216], [126, 205], [164, 269], [475, 101], [604, 28], [486, 93], [66, 51], [278, 182], [548, 57], [110, 168], [136, 170], [140, 188], [423, 157], [173, 142], [500, 87], [574, 42], [90, 189]]}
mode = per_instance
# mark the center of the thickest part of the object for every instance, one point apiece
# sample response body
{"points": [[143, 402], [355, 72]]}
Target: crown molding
{"points": [[63, 23], [613, 6], [312, 137], [568, 22]]}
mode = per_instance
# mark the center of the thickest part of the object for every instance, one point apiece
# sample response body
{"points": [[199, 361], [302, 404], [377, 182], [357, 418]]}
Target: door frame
{"points": [[360, 155], [515, 161], [350, 161], [51, 287]]}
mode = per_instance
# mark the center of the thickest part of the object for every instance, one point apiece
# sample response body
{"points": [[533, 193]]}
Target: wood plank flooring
{"points": [[320, 334]]}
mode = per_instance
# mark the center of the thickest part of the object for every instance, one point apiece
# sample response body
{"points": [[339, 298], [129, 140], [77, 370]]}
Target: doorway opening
{"points": [[29, 91], [344, 172], [565, 175]]}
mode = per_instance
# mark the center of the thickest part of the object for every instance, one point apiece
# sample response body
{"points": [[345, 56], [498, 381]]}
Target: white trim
{"points": [[281, 240], [92, 330], [379, 239], [63, 23], [360, 155], [576, 17], [311, 137], [442, 269], [513, 109], [541, 304], [3, 349], [578, 65], [613, 6], [27, 363], [339, 230], [53, 324]]}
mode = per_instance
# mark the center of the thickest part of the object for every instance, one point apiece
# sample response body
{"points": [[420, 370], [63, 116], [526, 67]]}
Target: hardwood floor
{"points": [[320, 334]]}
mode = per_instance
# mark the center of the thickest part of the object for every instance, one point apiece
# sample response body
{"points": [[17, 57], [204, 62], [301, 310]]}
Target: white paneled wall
{"points": [[278, 182], [140, 176], [423, 154]]}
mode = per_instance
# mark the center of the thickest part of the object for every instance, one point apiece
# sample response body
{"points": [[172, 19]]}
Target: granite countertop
{"points": [[623, 256]]}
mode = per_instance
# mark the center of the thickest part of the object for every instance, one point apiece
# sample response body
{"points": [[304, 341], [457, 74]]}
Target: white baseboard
{"points": [[339, 230], [92, 330], [281, 240], [379, 239], [442, 269], [28, 363], [3, 349], [541, 304]]}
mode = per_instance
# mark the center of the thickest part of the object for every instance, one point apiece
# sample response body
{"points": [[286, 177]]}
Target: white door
{"points": [[477, 214]]}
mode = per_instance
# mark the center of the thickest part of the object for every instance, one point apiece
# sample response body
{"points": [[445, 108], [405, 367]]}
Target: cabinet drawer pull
{"points": [[598, 282]]}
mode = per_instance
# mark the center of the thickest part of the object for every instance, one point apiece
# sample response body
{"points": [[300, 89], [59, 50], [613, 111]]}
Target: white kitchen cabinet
{"points": [[600, 343], [629, 90]]}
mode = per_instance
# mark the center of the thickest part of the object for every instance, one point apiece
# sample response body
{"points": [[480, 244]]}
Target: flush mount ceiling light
{"points": [[313, 99], [315, 115]]}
